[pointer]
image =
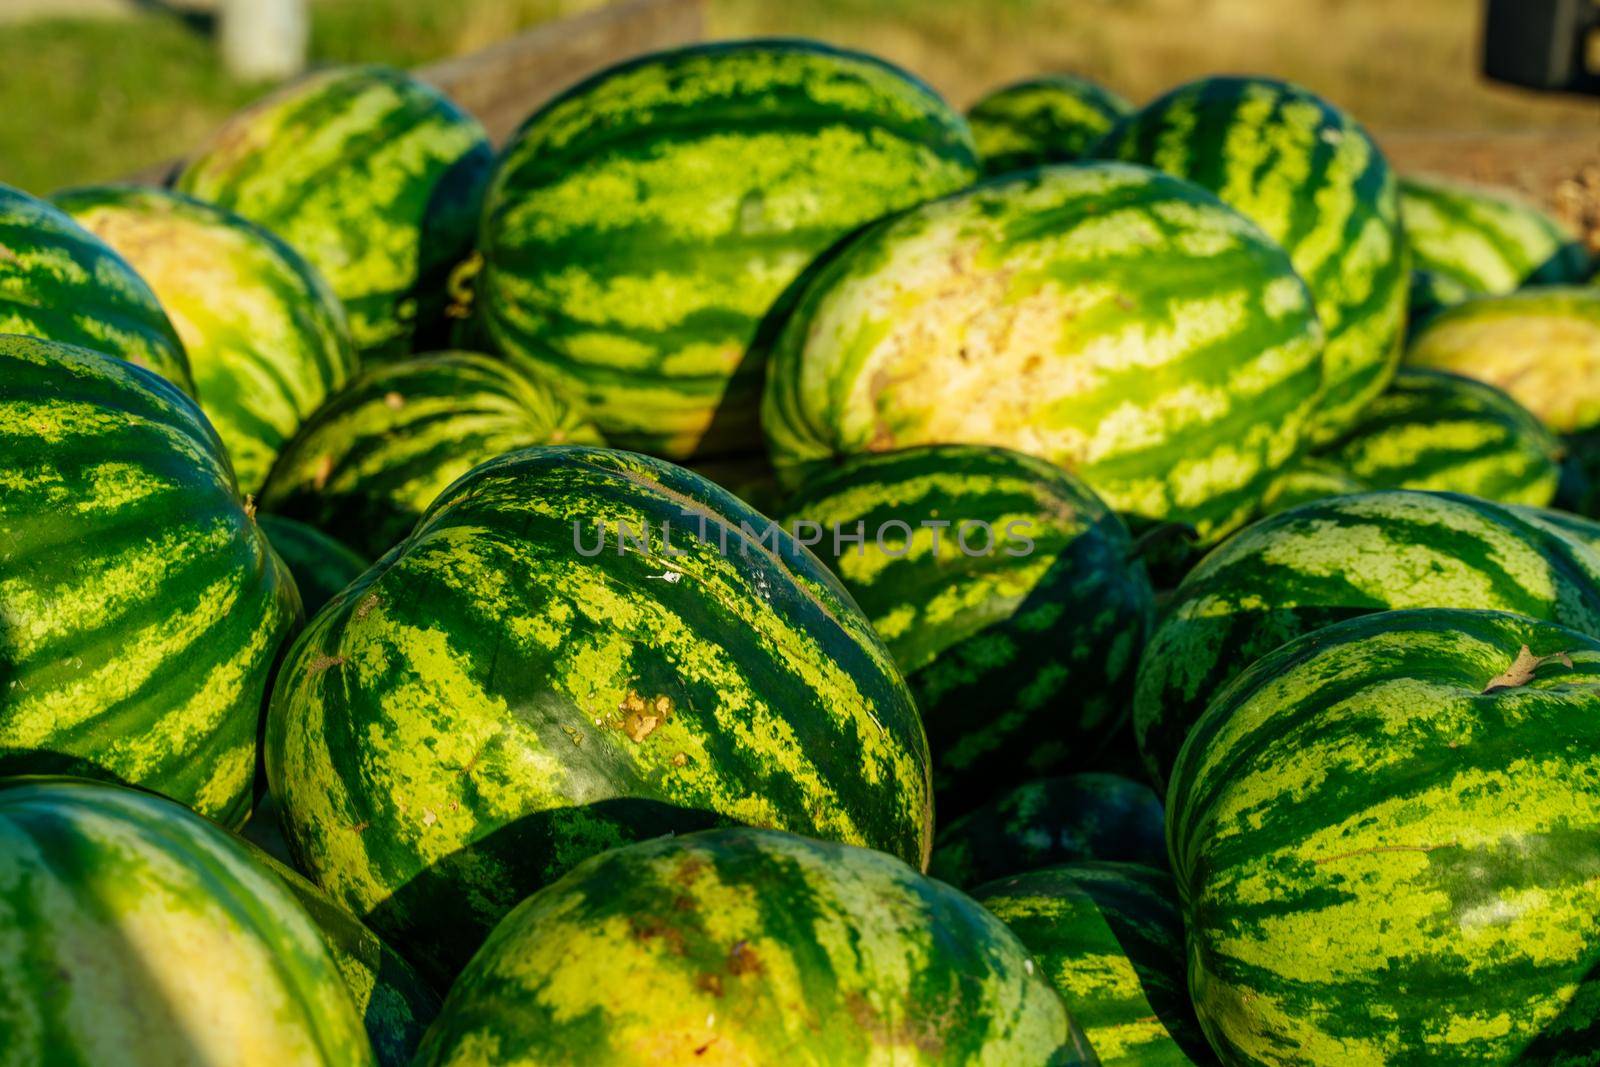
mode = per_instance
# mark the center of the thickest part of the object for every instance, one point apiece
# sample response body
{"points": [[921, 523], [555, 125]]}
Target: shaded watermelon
{"points": [[1486, 241], [1541, 345], [1109, 938], [266, 339], [394, 1003], [1051, 821], [373, 457], [750, 946], [61, 283], [320, 565], [1053, 119], [1385, 835], [1435, 430], [512, 690], [639, 226], [375, 177], [1009, 595], [136, 933], [1309, 478], [143, 612], [1332, 559], [1117, 322], [1313, 179]]}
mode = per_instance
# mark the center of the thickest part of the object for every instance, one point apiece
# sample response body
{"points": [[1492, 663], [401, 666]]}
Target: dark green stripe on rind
{"points": [[1332, 559], [1318, 185], [1017, 623], [1109, 938], [1053, 119], [1484, 241], [394, 1003], [1441, 431], [1541, 345], [266, 339], [487, 706], [1052, 821], [373, 457], [743, 947], [1120, 323], [61, 283], [639, 227], [320, 565], [133, 932], [143, 610], [1387, 840], [375, 177]]}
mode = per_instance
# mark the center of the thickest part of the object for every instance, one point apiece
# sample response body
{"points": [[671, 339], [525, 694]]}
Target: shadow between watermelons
{"points": [[458, 904]]}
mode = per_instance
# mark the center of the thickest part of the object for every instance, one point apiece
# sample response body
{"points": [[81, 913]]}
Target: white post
{"points": [[263, 39]]}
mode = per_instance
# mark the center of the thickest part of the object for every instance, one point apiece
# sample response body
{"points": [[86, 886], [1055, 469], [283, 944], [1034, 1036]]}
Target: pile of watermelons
{"points": [[551, 606]]}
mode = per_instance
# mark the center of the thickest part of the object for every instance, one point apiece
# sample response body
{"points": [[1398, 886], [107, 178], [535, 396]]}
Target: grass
{"points": [[88, 100]]}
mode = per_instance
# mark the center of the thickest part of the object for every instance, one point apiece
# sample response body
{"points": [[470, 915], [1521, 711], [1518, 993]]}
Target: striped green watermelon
{"points": [[639, 227], [1050, 821], [266, 339], [365, 466], [1541, 345], [375, 177], [61, 283], [1117, 322], [1009, 595], [1332, 559], [512, 690], [1052, 119], [141, 610], [1430, 293], [1486, 241], [741, 946], [1318, 185], [1435, 430], [394, 1002], [320, 565], [1386, 837], [133, 932], [1109, 938], [1309, 478], [1574, 527]]}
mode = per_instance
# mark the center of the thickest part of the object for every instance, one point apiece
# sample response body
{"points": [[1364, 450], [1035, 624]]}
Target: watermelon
{"points": [[639, 227], [1485, 241], [1052, 119], [266, 338], [1309, 478], [1574, 527], [61, 283], [375, 177], [1386, 836], [1332, 559], [1050, 821], [1430, 293], [1541, 345], [371, 459], [1008, 594], [545, 669], [143, 612], [136, 933], [1435, 430], [743, 946], [320, 565], [1318, 185], [394, 1002], [1122, 324], [1109, 938]]}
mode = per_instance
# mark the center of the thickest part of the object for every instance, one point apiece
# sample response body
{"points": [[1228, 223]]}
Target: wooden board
{"points": [[1558, 170]]}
